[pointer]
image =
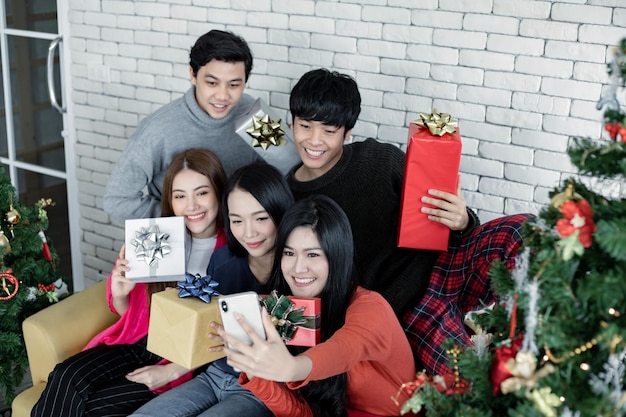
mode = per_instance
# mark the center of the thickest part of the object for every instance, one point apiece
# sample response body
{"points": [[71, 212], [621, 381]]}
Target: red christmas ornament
{"points": [[612, 128], [499, 371], [615, 130], [46, 288]]}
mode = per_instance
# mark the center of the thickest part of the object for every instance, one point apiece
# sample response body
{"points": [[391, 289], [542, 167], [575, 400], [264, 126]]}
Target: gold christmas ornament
{"points": [[568, 195], [13, 216], [4, 242]]}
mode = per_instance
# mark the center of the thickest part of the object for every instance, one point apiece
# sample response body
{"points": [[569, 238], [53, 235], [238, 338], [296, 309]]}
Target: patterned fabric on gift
{"points": [[459, 284]]}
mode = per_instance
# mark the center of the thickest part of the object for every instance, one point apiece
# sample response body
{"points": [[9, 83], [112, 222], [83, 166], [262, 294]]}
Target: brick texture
{"points": [[522, 77]]}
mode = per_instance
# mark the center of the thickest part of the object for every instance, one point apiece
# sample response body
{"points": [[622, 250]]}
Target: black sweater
{"points": [[367, 184]]}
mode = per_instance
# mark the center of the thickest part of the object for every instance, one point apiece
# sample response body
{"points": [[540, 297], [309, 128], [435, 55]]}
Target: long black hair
{"points": [[267, 185], [332, 228]]}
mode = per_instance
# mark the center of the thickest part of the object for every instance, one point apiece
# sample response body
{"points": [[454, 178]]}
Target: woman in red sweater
{"points": [[364, 355]]}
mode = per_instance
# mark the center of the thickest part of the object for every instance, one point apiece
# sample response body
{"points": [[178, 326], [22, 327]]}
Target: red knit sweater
{"points": [[371, 347]]}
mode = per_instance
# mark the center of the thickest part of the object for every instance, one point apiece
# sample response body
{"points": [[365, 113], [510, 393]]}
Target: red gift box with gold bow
{"points": [[433, 157]]}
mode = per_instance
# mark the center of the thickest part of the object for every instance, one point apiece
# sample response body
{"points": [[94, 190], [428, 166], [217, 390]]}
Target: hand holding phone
{"points": [[247, 304]]}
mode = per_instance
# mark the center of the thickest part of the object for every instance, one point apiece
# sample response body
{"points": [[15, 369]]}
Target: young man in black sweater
{"points": [[365, 179]]}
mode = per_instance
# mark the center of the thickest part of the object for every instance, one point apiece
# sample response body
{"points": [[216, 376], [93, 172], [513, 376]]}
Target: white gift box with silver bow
{"points": [[155, 249]]}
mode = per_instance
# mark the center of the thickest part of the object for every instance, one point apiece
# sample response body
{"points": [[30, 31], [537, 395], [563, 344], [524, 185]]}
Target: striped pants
{"points": [[92, 383], [459, 283]]}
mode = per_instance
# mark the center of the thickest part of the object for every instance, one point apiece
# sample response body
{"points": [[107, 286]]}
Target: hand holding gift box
{"points": [[297, 319], [155, 249], [269, 138], [432, 162], [180, 322]]}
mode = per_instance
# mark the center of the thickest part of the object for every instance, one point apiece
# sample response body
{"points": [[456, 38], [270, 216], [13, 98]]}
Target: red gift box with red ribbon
{"points": [[433, 157]]}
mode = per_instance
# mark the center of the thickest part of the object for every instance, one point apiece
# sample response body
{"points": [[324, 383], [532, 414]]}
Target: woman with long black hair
{"points": [[364, 355]]}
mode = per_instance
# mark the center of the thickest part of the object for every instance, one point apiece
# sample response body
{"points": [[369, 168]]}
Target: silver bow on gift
{"points": [[151, 245]]}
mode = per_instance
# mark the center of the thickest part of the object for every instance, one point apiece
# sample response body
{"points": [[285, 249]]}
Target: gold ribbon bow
{"points": [[265, 132], [438, 123]]}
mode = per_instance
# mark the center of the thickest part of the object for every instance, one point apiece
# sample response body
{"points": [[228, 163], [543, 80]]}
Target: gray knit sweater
{"points": [[177, 126]]}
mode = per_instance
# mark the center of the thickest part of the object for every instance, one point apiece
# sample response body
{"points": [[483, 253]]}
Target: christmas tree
{"points": [[29, 280], [555, 344]]}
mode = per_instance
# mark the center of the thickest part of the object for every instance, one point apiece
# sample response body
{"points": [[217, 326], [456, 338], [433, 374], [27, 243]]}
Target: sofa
{"points": [[51, 337]]}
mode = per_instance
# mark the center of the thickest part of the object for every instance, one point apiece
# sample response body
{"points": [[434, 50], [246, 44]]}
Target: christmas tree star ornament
{"points": [[8, 286]]}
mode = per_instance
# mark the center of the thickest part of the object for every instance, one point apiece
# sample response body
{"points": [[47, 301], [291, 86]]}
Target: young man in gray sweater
{"points": [[219, 66]]}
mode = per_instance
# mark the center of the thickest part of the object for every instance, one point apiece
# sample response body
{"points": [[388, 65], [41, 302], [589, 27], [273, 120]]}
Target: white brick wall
{"points": [[522, 76]]}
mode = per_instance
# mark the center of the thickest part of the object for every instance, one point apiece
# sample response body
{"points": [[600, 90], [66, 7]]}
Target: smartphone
{"points": [[247, 304]]}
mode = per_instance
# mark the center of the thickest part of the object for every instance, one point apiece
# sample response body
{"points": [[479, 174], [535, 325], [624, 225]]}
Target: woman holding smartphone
{"points": [[254, 202], [363, 345]]}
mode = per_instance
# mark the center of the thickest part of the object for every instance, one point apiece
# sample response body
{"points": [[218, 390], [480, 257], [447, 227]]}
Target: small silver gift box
{"points": [[155, 249]]}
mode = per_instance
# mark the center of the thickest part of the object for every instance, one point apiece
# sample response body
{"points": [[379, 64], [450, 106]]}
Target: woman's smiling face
{"points": [[194, 198], [304, 263], [250, 223]]}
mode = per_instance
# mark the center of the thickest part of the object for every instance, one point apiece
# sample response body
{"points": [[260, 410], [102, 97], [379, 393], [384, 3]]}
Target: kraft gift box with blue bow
{"points": [[179, 327]]}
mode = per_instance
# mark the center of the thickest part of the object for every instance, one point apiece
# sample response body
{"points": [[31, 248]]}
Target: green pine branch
{"points": [[602, 159]]}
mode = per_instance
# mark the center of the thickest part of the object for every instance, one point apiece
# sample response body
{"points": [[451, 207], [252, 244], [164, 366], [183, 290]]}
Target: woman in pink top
{"points": [[364, 355], [115, 374]]}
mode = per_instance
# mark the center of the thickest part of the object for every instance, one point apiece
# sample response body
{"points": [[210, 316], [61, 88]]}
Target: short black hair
{"points": [[267, 185], [326, 96], [220, 45]]}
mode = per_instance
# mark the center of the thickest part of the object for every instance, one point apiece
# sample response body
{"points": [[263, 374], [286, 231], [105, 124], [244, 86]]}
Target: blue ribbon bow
{"points": [[198, 286]]}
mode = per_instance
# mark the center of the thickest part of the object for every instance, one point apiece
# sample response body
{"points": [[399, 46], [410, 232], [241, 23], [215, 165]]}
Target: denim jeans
{"points": [[210, 394]]}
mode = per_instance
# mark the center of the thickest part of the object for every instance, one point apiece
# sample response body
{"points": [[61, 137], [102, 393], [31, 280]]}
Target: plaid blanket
{"points": [[459, 284]]}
